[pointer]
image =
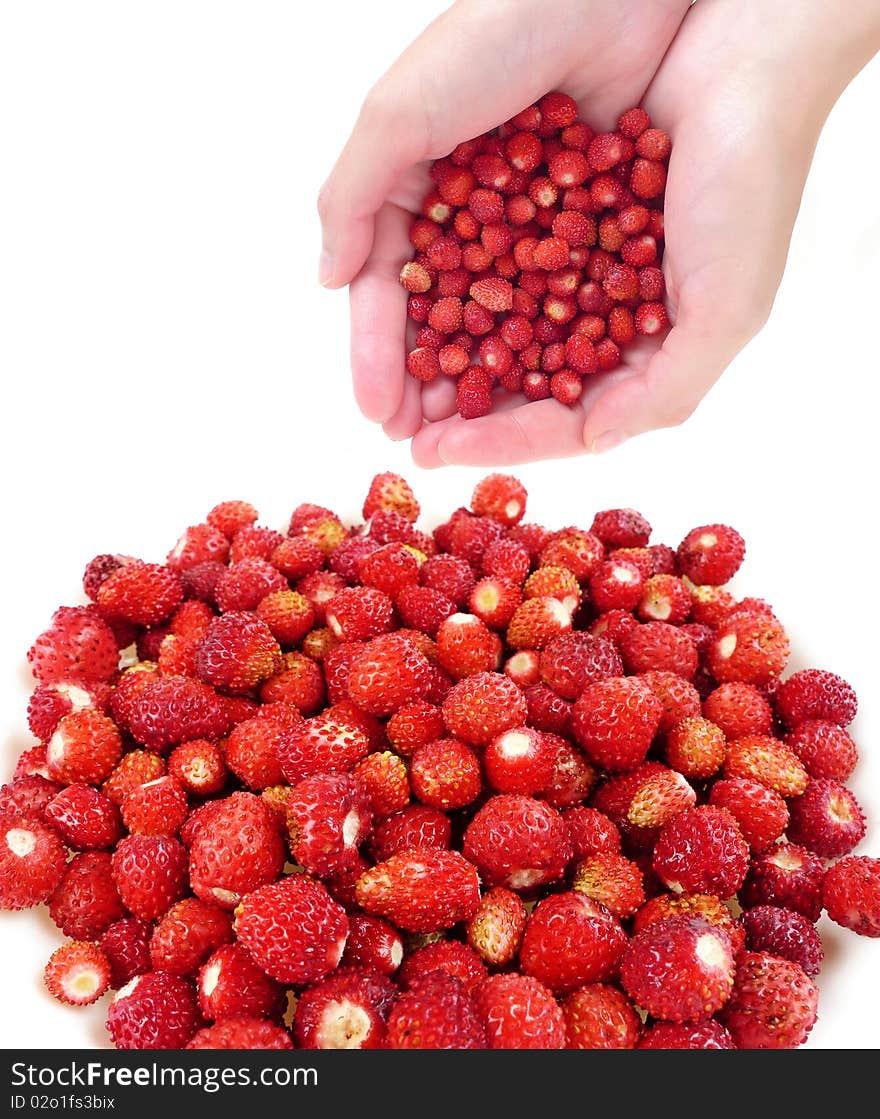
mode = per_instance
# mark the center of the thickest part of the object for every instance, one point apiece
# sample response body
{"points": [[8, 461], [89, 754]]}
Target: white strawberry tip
{"points": [[514, 744], [82, 983], [210, 979], [727, 645], [344, 1025], [710, 951], [351, 827], [21, 842]]}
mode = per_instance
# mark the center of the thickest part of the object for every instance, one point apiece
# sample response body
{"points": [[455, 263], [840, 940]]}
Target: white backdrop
{"points": [[164, 345]]}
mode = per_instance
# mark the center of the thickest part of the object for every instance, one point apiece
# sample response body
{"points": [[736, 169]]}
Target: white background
{"points": [[164, 345]]}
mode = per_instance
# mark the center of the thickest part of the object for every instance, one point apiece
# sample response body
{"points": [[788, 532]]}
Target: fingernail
{"points": [[325, 269], [607, 442]]}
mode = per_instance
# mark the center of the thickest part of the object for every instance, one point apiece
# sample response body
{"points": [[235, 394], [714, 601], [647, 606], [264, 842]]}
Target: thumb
{"points": [[677, 377]]}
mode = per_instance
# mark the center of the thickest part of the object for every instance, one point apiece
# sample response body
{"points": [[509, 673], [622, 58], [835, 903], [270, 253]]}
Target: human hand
{"points": [[739, 162]]}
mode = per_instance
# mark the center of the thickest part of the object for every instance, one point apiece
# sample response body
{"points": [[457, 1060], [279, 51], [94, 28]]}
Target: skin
{"points": [[743, 87]]}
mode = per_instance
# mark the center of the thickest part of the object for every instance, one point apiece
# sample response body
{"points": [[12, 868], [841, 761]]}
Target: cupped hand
{"points": [[710, 75]]}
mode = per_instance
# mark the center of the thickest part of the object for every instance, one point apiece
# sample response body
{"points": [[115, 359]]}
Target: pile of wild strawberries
{"points": [[492, 787], [538, 255]]}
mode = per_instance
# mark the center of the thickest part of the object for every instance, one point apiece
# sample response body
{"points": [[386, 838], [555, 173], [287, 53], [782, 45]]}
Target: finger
{"points": [[438, 399], [675, 380], [407, 420], [443, 89], [378, 320], [540, 430]]}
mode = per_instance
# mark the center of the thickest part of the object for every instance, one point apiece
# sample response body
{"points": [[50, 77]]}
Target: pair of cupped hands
{"points": [[743, 87]]}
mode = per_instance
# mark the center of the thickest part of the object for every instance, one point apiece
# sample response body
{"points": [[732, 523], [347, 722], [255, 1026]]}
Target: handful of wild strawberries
{"points": [[538, 255], [491, 787]]}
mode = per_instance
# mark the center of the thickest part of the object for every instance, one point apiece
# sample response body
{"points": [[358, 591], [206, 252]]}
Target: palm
{"points": [[710, 261]]}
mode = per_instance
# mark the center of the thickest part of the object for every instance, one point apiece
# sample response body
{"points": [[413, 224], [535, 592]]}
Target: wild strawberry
{"points": [[414, 725], [347, 1010], [373, 943], [155, 808], [237, 851], [599, 1016], [767, 760], [826, 819], [126, 945], [591, 832], [78, 646], [383, 777], [739, 710], [174, 709], [28, 796], [612, 881], [387, 674], [536, 622], [84, 818], [761, 812], [786, 934], [142, 593], [49, 703], [241, 1032], [417, 825], [519, 1012], [449, 956], [328, 817], [705, 906], [299, 682], [615, 720], [851, 894], [494, 600], [254, 542], [825, 749], [230, 984], [482, 706], [547, 711], [696, 747], [665, 598], [153, 1011], [772, 1005], [518, 842], [293, 929], [359, 613], [421, 889], [150, 873], [445, 774], [518, 761], [701, 1035], [423, 609], [436, 1014], [572, 776], [711, 554], [659, 798], [451, 576], [187, 934], [495, 931], [77, 973], [86, 902], [749, 647], [616, 584], [569, 941], [237, 652], [701, 850], [786, 875], [32, 861], [466, 646], [815, 694], [661, 647]]}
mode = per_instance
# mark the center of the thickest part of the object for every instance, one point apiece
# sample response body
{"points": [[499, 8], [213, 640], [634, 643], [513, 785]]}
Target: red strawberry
{"points": [[187, 934], [711, 554], [84, 748], [446, 774], [465, 646], [696, 747], [236, 850], [612, 881], [347, 1010], [825, 749], [294, 930], [174, 709], [518, 842], [156, 808], [599, 1016], [241, 1032], [615, 720], [237, 652], [135, 768], [77, 973], [384, 779], [421, 889], [153, 1011], [826, 819], [591, 831], [815, 694], [150, 873], [570, 940], [518, 1012], [571, 662], [126, 944], [761, 813], [659, 647], [325, 742], [449, 956], [701, 850], [78, 645], [387, 674], [49, 703], [230, 983], [32, 861], [483, 706], [680, 969], [436, 1014], [749, 647], [788, 876], [86, 902], [773, 1003], [390, 491], [786, 934], [495, 930], [328, 817], [84, 818], [851, 894], [373, 943], [142, 593], [417, 825], [765, 759]]}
